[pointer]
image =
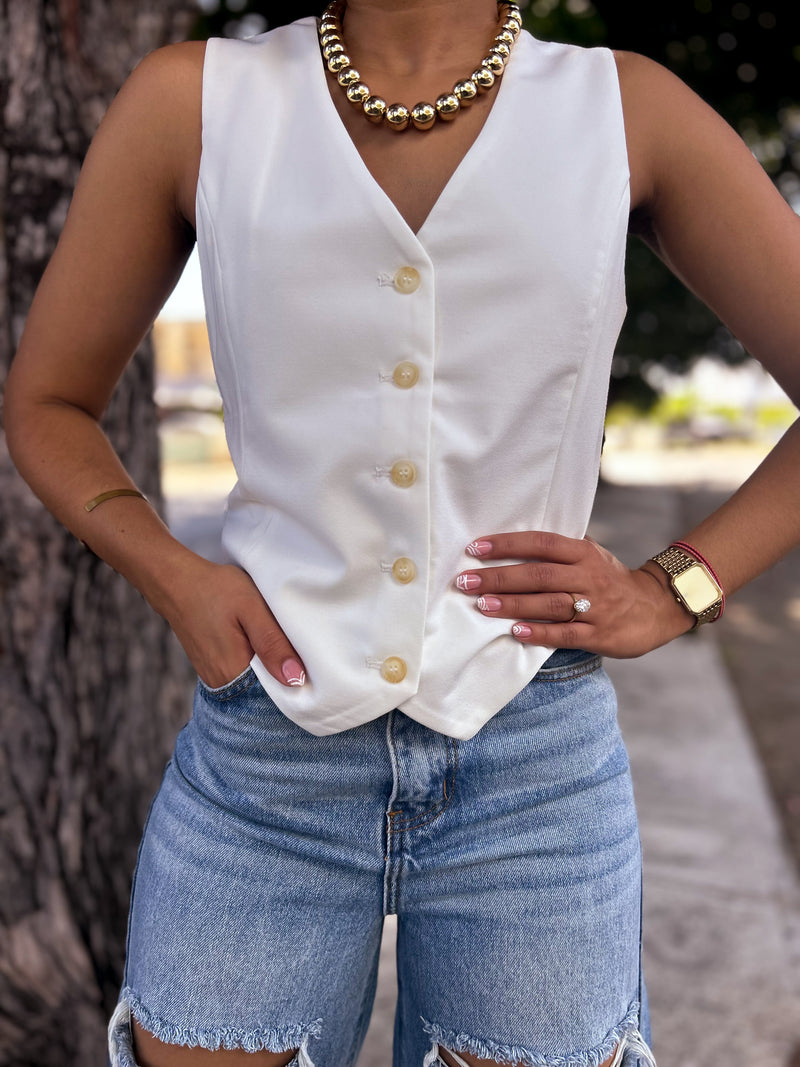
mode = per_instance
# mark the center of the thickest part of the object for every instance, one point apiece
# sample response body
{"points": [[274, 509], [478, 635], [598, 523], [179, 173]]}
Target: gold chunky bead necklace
{"points": [[423, 115]]}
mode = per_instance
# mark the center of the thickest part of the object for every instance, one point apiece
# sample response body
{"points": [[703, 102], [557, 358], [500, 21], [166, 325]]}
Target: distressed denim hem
{"points": [[120, 1044], [632, 1051]]}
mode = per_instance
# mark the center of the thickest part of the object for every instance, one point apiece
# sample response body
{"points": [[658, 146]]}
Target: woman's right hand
{"points": [[221, 619]]}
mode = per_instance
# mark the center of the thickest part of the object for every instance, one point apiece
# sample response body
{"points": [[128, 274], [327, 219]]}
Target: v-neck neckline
{"points": [[356, 161]]}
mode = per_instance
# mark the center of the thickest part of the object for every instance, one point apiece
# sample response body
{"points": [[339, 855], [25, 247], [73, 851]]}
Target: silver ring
{"points": [[580, 606]]}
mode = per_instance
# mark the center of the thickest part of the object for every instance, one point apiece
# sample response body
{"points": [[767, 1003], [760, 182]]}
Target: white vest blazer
{"points": [[391, 396]]}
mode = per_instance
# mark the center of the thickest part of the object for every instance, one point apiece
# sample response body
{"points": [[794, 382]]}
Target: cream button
{"points": [[393, 669], [406, 280], [403, 473], [406, 375], [404, 570]]}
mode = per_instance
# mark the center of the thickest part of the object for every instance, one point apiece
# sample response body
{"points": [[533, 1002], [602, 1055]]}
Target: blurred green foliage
{"points": [[742, 58]]}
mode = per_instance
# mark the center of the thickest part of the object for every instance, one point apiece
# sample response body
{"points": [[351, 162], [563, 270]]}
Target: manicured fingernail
{"points": [[519, 629], [479, 548], [467, 582], [293, 673], [488, 603]]}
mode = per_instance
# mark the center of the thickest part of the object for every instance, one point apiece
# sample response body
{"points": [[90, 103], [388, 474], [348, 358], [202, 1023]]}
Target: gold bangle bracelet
{"points": [[90, 505]]}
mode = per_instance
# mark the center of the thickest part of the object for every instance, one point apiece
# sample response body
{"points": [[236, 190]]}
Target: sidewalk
{"points": [[722, 896]]}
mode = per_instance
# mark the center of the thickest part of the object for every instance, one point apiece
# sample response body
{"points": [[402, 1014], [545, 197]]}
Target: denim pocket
{"points": [[568, 663], [230, 689]]}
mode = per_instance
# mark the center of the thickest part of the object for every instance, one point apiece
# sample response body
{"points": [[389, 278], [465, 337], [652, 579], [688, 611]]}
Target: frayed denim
{"points": [[512, 860]]}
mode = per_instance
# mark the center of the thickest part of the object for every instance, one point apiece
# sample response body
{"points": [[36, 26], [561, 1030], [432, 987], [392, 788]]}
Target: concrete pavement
{"points": [[722, 896]]}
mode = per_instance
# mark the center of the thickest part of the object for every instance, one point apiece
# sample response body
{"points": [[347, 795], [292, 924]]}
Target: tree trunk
{"points": [[92, 685]]}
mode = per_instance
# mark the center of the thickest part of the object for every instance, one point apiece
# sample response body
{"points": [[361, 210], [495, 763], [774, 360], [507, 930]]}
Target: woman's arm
{"points": [[714, 217], [129, 232], [708, 209]]}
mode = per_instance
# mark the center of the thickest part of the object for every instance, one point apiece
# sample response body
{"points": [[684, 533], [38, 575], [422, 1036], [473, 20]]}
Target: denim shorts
{"points": [[512, 861]]}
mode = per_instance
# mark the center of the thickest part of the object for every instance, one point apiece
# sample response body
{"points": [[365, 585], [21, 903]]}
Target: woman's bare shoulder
{"points": [[127, 235], [658, 108], [707, 207], [166, 85], [161, 105], [671, 132], [164, 80], [179, 64]]}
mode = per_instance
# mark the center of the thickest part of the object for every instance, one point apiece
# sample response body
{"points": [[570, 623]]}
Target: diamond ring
{"points": [[580, 606]]}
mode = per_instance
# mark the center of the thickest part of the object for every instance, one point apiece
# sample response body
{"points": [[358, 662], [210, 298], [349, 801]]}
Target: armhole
{"points": [[620, 115], [205, 96]]}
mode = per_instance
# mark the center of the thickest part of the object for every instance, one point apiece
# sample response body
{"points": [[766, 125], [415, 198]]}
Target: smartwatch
{"points": [[693, 584]]}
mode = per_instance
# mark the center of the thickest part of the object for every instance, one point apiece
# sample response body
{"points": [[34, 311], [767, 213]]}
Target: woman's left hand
{"points": [[630, 612]]}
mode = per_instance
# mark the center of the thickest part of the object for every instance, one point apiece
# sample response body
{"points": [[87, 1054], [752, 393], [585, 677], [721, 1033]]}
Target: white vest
{"points": [[318, 334]]}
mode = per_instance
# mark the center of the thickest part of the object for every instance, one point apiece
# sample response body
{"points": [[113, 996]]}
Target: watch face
{"points": [[698, 588]]}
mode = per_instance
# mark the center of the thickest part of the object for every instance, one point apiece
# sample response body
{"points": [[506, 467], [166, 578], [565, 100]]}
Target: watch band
{"points": [[675, 561]]}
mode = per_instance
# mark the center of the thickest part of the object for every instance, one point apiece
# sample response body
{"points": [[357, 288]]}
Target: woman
{"points": [[412, 330]]}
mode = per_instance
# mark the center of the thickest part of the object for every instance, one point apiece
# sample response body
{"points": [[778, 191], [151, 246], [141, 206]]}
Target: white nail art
{"points": [[479, 548], [465, 582]]}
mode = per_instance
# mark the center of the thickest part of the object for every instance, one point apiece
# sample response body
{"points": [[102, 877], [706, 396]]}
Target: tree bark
{"points": [[92, 684]]}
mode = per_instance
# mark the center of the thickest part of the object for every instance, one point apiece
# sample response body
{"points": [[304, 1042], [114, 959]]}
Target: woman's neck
{"points": [[417, 38]]}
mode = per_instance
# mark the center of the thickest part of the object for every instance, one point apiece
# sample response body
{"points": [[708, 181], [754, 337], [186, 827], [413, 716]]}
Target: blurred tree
{"points": [[743, 58], [87, 713]]}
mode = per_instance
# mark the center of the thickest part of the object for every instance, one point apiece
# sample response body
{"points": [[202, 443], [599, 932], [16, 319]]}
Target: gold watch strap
{"points": [[675, 561]]}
